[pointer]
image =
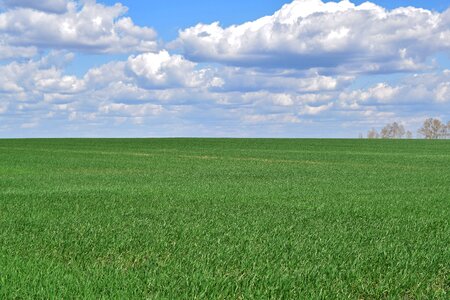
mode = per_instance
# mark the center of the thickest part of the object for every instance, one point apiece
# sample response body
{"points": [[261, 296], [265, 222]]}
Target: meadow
{"points": [[224, 219]]}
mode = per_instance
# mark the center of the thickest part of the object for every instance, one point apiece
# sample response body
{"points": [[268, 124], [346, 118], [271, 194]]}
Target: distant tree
{"points": [[433, 129], [386, 132], [393, 131], [447, 130], [360, 136], [373, 134], [409, 135]]}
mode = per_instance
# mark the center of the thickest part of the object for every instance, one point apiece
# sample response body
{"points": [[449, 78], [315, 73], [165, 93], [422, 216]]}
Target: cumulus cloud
{"points": [[39, 77], [271, 118], [421, 89], [90, 27], [315, 110], [331, 37], [9, 52], [162, 70], [248, 79], [151, 84], [163, 88], [138, 110]]}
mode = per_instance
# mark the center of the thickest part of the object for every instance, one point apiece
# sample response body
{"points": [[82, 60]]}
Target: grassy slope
{"points": [[217, 218]]}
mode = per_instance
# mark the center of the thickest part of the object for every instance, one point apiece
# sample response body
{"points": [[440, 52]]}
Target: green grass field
{"points": [[224, 219]]}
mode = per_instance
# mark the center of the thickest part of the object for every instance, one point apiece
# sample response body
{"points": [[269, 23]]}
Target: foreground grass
{"points": [[218, 218]]}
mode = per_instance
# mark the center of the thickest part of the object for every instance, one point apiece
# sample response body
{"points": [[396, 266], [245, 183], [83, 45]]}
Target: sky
{"points": [[199, 68]]}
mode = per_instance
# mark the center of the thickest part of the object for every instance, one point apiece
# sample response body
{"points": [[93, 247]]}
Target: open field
{"points": [[224, 218]]}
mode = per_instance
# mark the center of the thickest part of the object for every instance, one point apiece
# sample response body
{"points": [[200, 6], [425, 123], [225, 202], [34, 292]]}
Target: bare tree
{"points": [[448, 130], [433, 129], [409, 135], [399, 130], [386, 132], [372, 134], [393, 131]]}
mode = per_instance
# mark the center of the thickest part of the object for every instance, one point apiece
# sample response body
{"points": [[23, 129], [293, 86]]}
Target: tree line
{"points": [[431, 129]]}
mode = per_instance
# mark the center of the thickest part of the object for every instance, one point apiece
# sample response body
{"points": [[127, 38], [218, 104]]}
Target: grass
{"points": [[224, 218]]}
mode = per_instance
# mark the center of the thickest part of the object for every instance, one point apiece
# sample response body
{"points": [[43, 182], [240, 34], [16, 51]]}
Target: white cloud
{"points": [[159, 88], [247, 79], [331, 37], [39, 77], [60, 84], [162, 70], [91, 27], [3, 107], [162, 80], [105, 75], [443, 92], [315, 110], [139, 110], [271, 118], [8, 52], [292, 70], [421, 89]]}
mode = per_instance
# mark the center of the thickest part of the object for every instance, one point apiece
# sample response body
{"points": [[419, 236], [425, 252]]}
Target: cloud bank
{"points": [[310, 69]]}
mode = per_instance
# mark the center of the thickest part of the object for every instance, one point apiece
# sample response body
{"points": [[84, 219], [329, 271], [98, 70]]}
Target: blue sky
{"points": [[309, 68]]}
